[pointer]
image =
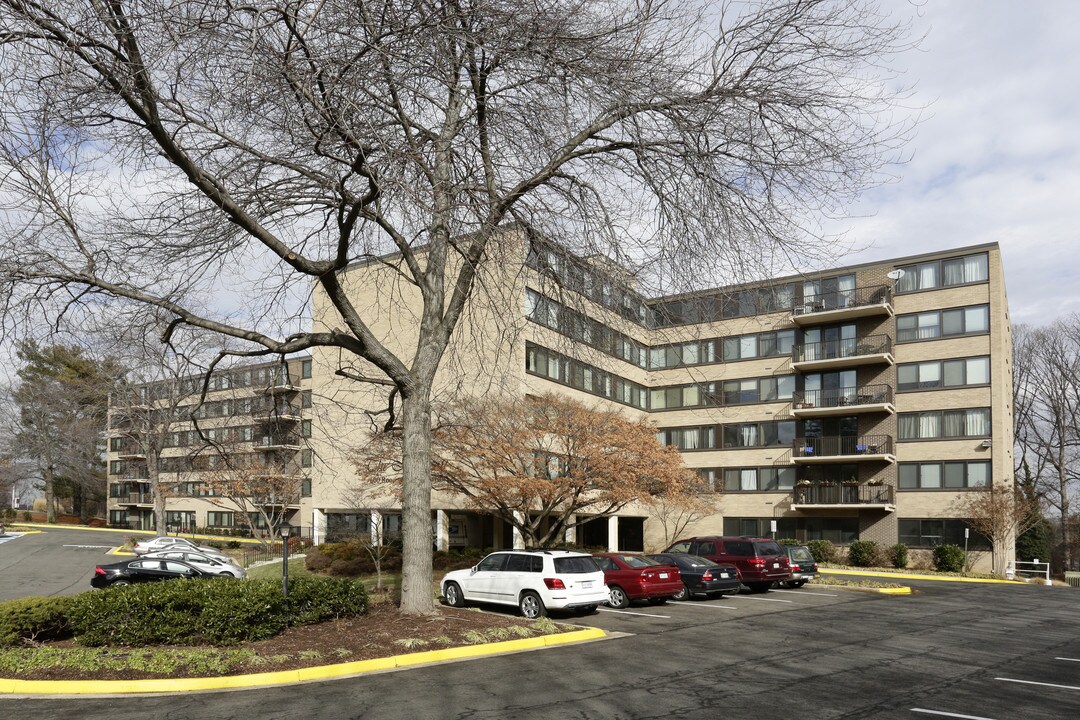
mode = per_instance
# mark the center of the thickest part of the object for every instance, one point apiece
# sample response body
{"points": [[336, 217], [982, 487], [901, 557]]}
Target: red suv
{"points": [[760, 560]]}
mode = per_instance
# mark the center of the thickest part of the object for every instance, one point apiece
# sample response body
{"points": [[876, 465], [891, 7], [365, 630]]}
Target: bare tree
{"points": [[1001, 514], [1047, 369], [149, 148], [677, 512]]}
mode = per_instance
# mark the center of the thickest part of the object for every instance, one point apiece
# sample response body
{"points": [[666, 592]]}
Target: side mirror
{"points": [[472, 570]]}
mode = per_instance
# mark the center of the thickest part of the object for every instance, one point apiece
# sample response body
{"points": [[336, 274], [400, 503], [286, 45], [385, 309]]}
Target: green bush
{"points": [[949, 558], [1035, 542], [349, 559], [863, 553], [26, 516], [234, 544], [34, 618], [822, 550], [215, 612], [898, 555], [789, 541]]}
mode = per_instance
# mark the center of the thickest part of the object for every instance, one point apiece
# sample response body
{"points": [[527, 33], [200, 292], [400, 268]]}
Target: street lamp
{"points": [[284, 531]]}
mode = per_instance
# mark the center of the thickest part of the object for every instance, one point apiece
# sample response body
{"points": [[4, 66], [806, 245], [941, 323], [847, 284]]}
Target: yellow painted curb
{"points": [[903, 590], [148, 533], [912, 576], [120, 551], [9, 686]]}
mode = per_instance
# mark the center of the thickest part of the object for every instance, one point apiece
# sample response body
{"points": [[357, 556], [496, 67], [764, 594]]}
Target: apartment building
{"points": [[232, 461], [861, 402]]}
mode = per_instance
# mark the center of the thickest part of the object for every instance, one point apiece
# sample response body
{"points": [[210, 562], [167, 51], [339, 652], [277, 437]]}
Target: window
{"points": [[761, 434], [306, 457], [118, 517], [928, 532], [939, 424], [305, 399], [944, 323], [548, 364], [947, 373], [746, 347], [759, 479], [948, 475], [689, 438], [219, 519], [180, 520], [943, 273], [305, 428]]}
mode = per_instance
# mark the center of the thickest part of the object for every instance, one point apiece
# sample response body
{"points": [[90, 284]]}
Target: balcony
{"points": [[281, 413], [843, 448], [134, 499], [289, 442], [837, 305], [280, 385], [843, 401], [833, 496], [131, 454], [843, 353], [271, 501]]}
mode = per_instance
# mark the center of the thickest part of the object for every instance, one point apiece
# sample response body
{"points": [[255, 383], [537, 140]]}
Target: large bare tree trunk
{"points": [[416, 568]]}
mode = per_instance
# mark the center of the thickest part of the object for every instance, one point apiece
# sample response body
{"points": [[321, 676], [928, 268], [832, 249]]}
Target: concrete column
{"points": [[519, 539], [318, 526], [442, 530], [570, 535], [376, 527], [613, 533]]}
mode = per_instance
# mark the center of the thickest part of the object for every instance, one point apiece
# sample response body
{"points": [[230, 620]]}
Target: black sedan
{"points": [[701, 576], [139, 571]]}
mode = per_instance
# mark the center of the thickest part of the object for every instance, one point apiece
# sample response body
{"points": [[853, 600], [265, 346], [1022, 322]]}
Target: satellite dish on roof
{"points": [[895, 274]]}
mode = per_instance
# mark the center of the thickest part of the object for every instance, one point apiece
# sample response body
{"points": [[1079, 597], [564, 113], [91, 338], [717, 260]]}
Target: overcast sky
{"points": [[997, 156]]}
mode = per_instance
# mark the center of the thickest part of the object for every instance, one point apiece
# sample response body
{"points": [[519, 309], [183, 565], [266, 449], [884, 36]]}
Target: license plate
{"points": [[776, 565], [586, 584], [724, 575], [663, 576]]}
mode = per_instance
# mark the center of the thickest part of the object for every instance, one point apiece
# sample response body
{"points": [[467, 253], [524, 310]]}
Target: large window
{"points": [[219, 519], [943, 273], [931, 532], [972, 320], [943, 373], [943, 424], [748, 347], [549, 364], [688, 438], [761, 434], [944, 475], [763, 479], [690, 353], [729, 392], [578, 326]]}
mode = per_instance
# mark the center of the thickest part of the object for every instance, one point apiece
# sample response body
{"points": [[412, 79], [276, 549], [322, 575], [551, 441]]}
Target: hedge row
{"points": [[189, 612]]}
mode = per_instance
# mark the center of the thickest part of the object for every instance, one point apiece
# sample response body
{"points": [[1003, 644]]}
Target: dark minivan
{"points": [[761, 561]]}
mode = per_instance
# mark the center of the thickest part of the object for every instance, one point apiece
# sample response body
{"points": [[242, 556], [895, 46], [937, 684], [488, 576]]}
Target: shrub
{"points": [[26, 516], [822, 550], [34, 618], [863, 553], [949, 558], [234, 544], [788, 541], [898, 555], [313, 599]]}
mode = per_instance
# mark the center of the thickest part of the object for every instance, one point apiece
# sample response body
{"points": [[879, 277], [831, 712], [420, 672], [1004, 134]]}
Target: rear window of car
{"points": [[801, 554], [768, 547], [575, 565], [637, 561], [739, 547]]}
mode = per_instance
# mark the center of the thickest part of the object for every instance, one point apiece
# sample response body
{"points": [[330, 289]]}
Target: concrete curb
{"points": [[913, 576], [285, 677]]}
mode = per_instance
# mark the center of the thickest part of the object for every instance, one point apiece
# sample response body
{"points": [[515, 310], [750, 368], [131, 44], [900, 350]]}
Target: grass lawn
{"points": [[297, 569]]}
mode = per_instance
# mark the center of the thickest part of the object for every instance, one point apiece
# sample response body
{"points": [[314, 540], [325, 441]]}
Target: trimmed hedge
{"points": [[214, 612], [35, 618], [949, 558]]}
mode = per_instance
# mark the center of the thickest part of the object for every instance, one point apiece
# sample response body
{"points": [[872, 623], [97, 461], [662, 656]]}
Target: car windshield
{"points": [[575, 565], [637, 561]]}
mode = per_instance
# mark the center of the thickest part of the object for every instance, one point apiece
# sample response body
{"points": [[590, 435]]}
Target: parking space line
{"points": [[1032, 682], [747, 597], [686, 603], [949, 714], [630, 612], [1069, 659], [818, 594]]}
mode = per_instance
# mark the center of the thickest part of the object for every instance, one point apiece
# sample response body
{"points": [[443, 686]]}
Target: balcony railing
{"points": [[841, 397], [842, 445], [280, 413], [842, 348], [134, 499], [271, 443], [844, 494], [844, 299]]}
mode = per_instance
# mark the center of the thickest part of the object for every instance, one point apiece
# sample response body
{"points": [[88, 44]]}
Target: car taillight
{"points": [[795, 566], [815, 566], [707, 575], [99, 571], [757, 562], [554, 584]]}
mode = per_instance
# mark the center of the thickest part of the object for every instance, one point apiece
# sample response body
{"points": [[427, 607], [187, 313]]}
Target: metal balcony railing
{"points": [[842, 348], [837, 445], [844, 494], [842, 397], [843, 299]]}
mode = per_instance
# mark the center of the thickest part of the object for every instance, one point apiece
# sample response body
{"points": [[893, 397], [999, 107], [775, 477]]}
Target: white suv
{"points": [[534, 580]]}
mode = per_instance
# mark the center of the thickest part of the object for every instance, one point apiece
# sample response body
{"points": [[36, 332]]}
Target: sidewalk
{"points": [[916, 576]]}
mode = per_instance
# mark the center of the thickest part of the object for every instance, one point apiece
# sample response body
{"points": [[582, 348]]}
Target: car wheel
{"points": [[587, 610], [119, 583], [617, 597], [227, 574], [658, 601], [531, 606], [796, 583], [682, 594], [759, 587], [453, 595]]}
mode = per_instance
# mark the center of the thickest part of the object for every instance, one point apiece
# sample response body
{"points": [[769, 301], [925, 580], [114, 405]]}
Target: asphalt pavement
{"points": [[56, 561], [987, 652]]}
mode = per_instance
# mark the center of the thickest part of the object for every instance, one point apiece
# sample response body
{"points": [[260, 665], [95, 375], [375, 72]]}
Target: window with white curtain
{"points": [[945, 273], [748, 479], [937, 424]]}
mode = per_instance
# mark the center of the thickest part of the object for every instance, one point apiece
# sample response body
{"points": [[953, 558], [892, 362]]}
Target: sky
{"points": [[996, 157]]}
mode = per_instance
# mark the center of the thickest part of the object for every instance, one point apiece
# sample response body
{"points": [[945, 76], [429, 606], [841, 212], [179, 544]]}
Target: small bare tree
{"points": [[1000, 514], [677, 512], [153, 153]]}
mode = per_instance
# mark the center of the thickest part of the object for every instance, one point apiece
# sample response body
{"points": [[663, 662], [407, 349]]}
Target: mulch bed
{"points": [[374, 635]]}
